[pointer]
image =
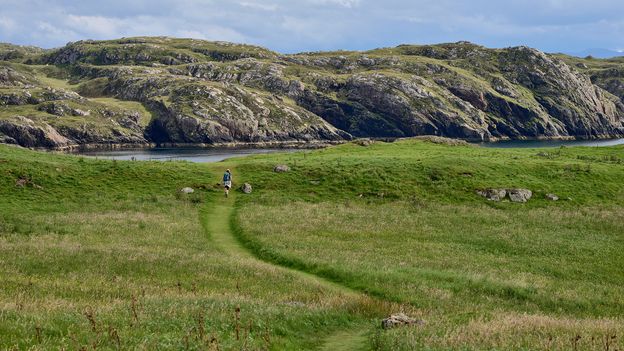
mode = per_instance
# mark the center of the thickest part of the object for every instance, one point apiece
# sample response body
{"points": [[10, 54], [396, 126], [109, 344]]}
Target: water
{"points": [[177, 154], [552, 143]]}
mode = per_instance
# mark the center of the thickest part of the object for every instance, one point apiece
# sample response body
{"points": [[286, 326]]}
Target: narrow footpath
{"points": [[217, 222]]}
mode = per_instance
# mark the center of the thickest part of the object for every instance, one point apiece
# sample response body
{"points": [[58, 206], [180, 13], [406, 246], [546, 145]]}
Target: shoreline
{"points": [[294, 144]]}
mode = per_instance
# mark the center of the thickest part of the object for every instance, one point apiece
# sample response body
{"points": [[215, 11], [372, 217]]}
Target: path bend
{"points": [[216, 219]]}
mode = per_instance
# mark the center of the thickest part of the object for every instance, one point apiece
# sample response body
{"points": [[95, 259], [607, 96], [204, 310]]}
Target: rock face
{"points": [[195, 91], [398, 320], [246, 188], [281, 169]]}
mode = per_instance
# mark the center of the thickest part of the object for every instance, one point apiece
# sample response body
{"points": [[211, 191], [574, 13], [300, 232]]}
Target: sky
{"points": [[290, 26]]}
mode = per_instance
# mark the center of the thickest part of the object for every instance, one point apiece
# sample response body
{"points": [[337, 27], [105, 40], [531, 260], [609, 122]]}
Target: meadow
{"points": [[109, 255], [100, 254], [402, 222]]}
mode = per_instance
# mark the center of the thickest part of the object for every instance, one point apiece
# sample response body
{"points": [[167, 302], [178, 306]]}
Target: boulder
{"points": [[364, 142], [552, 197], [246, 188], [398, 320], [187, 190], [281, 168], [519, 195], [493, 194]]}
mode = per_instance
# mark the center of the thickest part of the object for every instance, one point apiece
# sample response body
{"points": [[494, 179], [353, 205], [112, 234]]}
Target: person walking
{"points": [[227, 181]]}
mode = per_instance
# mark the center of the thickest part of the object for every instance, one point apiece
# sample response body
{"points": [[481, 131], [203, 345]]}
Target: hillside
{"points": [[166, 90]]}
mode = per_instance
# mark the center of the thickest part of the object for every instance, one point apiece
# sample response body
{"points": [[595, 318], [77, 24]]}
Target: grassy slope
{"points": [[404, 224], [111, 242]]}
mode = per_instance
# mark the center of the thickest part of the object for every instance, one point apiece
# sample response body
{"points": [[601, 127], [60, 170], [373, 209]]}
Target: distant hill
{"points": [[167, 90], [597, 53]]}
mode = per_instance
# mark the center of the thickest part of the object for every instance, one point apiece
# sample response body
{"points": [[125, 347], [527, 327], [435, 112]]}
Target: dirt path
{"points": [[216, 220]]}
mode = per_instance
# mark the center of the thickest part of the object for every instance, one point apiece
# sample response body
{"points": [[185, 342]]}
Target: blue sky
{"points": [[310, 25]]}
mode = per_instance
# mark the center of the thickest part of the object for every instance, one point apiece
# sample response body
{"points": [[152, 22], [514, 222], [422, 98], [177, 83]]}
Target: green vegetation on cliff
{"points": [[216, 92]]}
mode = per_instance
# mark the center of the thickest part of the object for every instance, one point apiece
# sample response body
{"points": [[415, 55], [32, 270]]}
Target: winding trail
{"points": [[216, 220]]}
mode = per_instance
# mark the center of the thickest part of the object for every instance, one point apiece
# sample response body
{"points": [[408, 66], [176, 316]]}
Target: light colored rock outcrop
{"points": [[281, 168], [519, 195], [246, 188], [399, 320]]}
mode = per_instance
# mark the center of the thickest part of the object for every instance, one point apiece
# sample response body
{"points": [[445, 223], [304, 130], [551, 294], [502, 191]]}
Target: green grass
{"points": [[96, 253], [104, 254], [402, 222]]}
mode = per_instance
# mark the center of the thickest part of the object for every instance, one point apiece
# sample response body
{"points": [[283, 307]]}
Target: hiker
{"points": [[227, 181]]}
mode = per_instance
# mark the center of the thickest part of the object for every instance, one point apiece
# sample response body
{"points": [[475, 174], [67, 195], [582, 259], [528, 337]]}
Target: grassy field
{"points": [[109, 255], [402, 222]]}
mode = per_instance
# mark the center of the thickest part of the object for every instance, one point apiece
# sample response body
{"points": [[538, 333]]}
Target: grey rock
{"points": [[246, 188], [398, 320], [552, 197], [281, 168], [187, 190], [493, 194], [26, 132], [55, 108], [519, 195], [364, 142]]}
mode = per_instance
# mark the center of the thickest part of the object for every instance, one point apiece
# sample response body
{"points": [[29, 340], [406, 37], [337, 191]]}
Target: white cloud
{"points": [[7, 24], [97, 26], [343, 3], [259, 6], [309, 25]]}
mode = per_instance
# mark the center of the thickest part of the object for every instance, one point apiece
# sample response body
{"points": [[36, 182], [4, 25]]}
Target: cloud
{"points": [[343, 3], [259, 6], [7, 24], [97, 26], [309, 25]]}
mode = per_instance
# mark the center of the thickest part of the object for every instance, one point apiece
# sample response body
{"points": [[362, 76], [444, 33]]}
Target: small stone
{"points": [[187, 190], [398, 320], [281, 168], [78, 112], [519, 195], [552, 197], [246, 188], [21, 182], [493, 194]]}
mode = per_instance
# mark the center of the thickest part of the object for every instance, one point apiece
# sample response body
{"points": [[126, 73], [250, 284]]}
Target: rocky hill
{"points": [[166, 90]]}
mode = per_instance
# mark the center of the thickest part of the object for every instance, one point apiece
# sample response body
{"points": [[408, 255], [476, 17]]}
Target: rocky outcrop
{"points": [[514, 195], [493, 194], [281, 169], [26, 132], [399, 320], [519, 195], [214, 92], [246, 188]]}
